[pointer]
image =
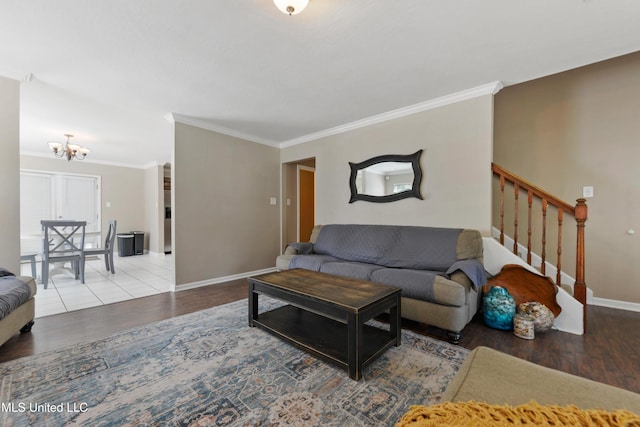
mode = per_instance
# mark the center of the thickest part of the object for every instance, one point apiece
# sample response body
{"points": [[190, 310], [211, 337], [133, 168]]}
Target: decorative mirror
{"points": [[386, 178]]}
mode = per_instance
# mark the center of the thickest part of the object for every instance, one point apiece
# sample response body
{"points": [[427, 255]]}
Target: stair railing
{"points": [[579, 212]]}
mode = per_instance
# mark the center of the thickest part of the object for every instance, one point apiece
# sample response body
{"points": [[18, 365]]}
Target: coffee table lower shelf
{"points": [[323, 337]]}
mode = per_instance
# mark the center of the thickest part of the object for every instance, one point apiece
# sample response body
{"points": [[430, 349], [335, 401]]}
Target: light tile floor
{"points": [[135, 277]]}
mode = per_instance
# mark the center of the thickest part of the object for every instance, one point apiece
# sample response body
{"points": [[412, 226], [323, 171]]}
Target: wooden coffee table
{"points": [[326, 315]]}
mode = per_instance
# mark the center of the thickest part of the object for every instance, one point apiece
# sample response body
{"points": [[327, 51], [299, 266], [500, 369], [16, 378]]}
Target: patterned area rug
{"points": [[210, 369]]}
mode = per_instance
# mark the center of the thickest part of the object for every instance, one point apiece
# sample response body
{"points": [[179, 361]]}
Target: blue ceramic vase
{"points": [[499, 308]]}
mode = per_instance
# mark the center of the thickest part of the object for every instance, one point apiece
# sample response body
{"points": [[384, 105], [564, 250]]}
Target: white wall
{"points": [[456, 165], [10, 175]]}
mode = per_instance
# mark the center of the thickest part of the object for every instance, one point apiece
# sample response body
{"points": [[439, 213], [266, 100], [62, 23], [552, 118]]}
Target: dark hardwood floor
{"points": [[608, 352], [60, 330]]}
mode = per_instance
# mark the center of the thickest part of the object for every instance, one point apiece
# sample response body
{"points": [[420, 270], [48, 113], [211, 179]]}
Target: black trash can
{"points": [[138, 242], [125, 244]]}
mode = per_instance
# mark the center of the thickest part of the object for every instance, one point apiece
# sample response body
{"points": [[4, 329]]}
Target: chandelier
{"points": [[291, 7], [70, 151]]}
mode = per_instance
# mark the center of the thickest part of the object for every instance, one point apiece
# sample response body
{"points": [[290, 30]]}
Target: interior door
{"points": [[78, 200], [306, 202], [48, 196], [37, 202]]}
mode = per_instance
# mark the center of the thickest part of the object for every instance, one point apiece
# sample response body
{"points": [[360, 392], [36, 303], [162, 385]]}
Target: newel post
{"points": [[579, 287]]}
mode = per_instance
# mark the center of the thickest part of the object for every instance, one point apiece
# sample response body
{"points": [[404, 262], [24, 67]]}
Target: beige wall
{"points": [[223, 222], [456, 184], [582, 128], [9, 174], [122, 187]]}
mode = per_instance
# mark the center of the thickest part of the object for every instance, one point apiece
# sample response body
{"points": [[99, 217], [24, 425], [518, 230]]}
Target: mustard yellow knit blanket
{"points": [[479, 414]]}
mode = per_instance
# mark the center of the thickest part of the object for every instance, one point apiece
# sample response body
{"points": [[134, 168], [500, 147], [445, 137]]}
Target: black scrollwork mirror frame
{"points": [[414, 159]]}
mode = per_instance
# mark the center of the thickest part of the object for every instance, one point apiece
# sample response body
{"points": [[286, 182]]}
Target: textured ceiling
{"points": [[110, 71]]}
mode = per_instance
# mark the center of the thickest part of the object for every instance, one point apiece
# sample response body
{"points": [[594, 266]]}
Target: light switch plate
{"points": [[587, 191]]}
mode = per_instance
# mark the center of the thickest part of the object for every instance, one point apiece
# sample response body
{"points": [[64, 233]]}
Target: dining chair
{"points": [[63, 241], [30, 249], [107, 250]]}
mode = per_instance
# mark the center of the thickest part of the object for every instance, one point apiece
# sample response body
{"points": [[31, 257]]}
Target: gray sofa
{"points": [[439, 270], [17, 305]]}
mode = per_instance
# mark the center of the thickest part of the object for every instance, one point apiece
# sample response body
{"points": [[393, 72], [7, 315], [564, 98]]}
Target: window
{"points": [[49, 195], [399, 188]]}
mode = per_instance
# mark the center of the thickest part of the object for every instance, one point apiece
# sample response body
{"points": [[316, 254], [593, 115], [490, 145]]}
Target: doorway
{"points": [[51, 195], [306, 202], [298, 189], [167, 245]]}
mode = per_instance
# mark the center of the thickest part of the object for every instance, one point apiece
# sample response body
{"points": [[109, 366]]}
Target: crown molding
{"points": [[487, 89], [93, 161], [203, 124]]}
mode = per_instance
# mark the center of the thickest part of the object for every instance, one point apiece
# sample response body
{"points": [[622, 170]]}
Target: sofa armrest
{"points": [[290, 250], [4, 272], [283, 261], [461, 278], [473, 269], [471, 293]]}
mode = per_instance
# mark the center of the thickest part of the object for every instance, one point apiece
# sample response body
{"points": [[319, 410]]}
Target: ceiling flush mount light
{"points": [[291, 7], [70, 151]]}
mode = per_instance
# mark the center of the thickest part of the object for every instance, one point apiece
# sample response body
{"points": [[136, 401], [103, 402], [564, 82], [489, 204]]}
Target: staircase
{"points": [[572, 297], [571, 318]]}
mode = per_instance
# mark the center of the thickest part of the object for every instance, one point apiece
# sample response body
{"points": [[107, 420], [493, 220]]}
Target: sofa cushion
{"points": [[14, 291], [310, 262], [355, 270], [357, 243], [424, 248], [470, 245], [422, 285]]}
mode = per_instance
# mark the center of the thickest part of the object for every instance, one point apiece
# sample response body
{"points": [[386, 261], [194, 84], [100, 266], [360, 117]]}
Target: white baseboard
{"points": [[612, 303], [153, 253], [223, 279]]}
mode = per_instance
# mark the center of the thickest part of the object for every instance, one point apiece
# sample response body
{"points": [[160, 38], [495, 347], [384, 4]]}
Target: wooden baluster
{"points": [[559, 262], [543, 266], [529, 202], [502, 209], [579, 212], [579, 287], [516, 188]]}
